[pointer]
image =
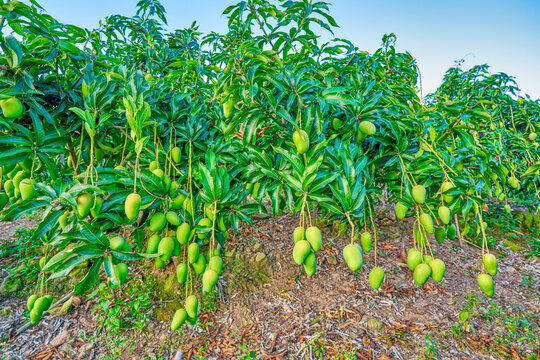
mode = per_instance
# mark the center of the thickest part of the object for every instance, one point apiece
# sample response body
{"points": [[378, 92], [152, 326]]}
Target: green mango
{"points": [[352, 254], [301, 141], [173, 218], [366, 241], [490, 264], [12, 107], [209, 279], [440, 234], [193, 253], [179, 318], [178, 202], [437, 269], [153, 244], [299, 234], [367, 127], [486, 284], [444, 214], [192, 306], [216, 264], [176, 154], [84, 204], [116, 243], [310, 264], [301, 250], [204, 223], [376, 277], [165, 248], [314, 237], [182, 272], [419, 194], [427, 222], [121, 271], [27, 188], [401, 210], [414, 258], [30, 302], [183, 233], [451, 231], [421, 274], [10, 188], [445, 187], [132, 206], [157, 222]]}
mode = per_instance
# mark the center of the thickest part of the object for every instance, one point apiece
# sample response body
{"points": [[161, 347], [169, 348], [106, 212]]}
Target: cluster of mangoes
{"points": [[307, 242], [37, 305]]}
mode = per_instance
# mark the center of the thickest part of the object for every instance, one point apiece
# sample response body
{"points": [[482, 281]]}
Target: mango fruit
{"points": [[27, 188], [401, 210], [84, 204], [157, 222], [367, 127], [178, 202], [444, 214], [116, 243], [419, 194], [427, 223], [310, 264], [30, 302], [352, 254], [176, 153], [490, 264], [421, 274], [376, 277], [182, 272], [209, 279], [132, 206], [445, 187], [11, 107], [200, 265], [165, 248], [183, 233], [451, 231], [486, 284], [414, 258], [193, 253], [121, 271], [216, 264], [205, 223], [301, 141], [10, 188], [440, 234], [299, 234], [179, 318], [314, 237], [438, 268], [192, 306], [366, 241], [301, 250], [173, 218], [153, 244]]}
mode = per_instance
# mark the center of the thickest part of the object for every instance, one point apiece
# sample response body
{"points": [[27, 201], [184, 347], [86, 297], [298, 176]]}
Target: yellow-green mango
{"points": [[300, 251], [376, 277], [132, 205], [314, 237], [419, 194], [179, 318], [352, 254], [486, 284]]}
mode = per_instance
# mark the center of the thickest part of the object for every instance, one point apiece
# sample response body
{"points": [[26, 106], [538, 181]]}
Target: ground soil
{"points": [[270, 309]]}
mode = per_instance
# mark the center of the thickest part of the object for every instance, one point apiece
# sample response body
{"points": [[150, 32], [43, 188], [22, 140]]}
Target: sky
{"points": [[502, 33]]}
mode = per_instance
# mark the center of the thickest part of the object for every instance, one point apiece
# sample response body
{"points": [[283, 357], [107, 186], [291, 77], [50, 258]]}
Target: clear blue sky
{"points": [[503, 33]]}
